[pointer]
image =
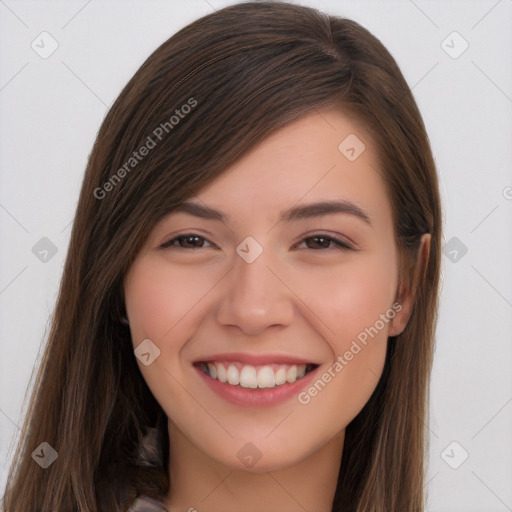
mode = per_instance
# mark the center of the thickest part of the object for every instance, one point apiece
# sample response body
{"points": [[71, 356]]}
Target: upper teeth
{"points": [[248, 376]]}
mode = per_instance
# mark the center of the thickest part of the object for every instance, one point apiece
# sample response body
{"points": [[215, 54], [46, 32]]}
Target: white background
{"points": [[51, 109]]}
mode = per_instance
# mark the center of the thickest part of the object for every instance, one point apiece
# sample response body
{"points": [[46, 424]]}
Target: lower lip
{"points": [[248, 397]]}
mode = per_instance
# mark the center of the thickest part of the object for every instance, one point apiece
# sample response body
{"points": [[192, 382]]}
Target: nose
{"points": [[255, 296]]}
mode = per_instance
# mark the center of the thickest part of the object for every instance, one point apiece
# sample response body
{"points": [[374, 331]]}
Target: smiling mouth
{"points": [[255, 377]]}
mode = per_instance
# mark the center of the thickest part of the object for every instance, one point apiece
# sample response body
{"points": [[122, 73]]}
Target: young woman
{"points": [[246, 316]]}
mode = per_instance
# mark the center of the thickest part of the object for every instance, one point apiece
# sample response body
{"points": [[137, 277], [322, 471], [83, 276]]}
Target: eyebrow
{"points": [[295, 213]]}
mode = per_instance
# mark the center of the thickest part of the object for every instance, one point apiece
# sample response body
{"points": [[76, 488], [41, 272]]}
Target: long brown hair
{"points": [[244, 71]]}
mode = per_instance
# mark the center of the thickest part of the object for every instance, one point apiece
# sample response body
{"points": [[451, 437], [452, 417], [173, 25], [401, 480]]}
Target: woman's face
{"points": [[275, 288]]}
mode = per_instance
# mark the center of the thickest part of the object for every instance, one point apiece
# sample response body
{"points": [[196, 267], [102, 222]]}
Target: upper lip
{"points": [[256, 359]]}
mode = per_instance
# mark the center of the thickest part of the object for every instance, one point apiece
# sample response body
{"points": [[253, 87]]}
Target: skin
{"points": [[299, 297]]}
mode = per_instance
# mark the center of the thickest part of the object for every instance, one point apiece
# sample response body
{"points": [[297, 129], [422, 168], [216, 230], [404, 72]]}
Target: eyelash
{"points": [[340, 244]]}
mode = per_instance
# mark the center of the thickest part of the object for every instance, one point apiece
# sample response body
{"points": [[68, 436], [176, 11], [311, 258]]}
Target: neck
{"points": [[200, 483]]}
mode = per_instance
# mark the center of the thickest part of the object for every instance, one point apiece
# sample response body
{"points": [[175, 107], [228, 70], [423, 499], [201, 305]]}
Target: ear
{"points": [[406, 293]]}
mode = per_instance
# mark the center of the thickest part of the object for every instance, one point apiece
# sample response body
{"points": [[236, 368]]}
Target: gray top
{"points": [[145, 504]]}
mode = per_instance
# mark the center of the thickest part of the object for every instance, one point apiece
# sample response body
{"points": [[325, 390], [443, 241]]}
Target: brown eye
{"points": [[319, 242], [326, 242], [187, 241], [191, 241]]}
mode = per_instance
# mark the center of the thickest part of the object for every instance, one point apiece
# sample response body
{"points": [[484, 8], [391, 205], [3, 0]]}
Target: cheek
{"points": [[158, 297], [352, 297], [354, 303]]}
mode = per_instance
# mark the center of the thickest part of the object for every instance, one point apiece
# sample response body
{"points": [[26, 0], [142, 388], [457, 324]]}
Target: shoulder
{"points": [[145, 504]]}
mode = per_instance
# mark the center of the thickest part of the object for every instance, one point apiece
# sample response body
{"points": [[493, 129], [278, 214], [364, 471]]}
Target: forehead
{"points": [[325, 155]]}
